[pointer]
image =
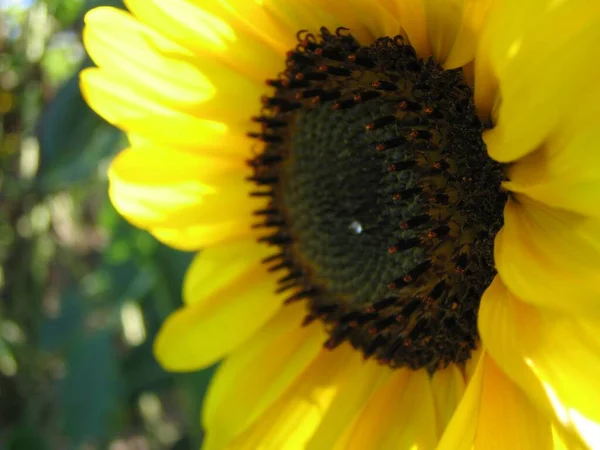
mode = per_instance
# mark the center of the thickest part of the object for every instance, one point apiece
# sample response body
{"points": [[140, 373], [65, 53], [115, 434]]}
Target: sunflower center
{"points": [[382, 199]]}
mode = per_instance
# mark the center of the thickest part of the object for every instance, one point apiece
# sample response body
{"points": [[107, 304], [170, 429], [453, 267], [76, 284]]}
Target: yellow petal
{"points": [[448, 387], [579, 196], [553, 356], [549, 257], [443, 20], [133, 112], [350, 399], [366, 20], [471, 364], [255, 18], [400, 415], [462, 49], [201, 236], [495, 414], [413, 20], [212, 35], [293, 418], [152, 187], [275, 22], [521, 422], [486, 95], [462, 429], [565, 171], [415, 426], [303, 15], [541, 72], [369, 428], [166, 73], [454, 27], [564, 440], [256, 375], [198, 335], [220, 265], [117, 42]]}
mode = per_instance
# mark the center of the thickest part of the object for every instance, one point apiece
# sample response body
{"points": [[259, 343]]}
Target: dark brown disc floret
{"points": [[382, 201]]}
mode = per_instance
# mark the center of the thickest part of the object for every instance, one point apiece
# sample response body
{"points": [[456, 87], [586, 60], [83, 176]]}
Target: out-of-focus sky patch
{"points": [[5, 4]]}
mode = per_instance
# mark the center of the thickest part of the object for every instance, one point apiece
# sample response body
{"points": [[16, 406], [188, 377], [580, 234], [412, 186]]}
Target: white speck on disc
{"points": [[356, 227]]}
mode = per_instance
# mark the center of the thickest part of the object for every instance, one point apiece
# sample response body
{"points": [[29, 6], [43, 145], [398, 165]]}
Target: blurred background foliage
{"points": [[82, 293]]}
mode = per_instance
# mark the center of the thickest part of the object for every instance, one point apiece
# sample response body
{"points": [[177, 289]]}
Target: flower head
{"points": [[396, 202]]}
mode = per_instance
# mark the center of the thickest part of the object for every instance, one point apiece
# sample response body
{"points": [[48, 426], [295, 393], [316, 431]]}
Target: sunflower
{"points": [[397, 206]]}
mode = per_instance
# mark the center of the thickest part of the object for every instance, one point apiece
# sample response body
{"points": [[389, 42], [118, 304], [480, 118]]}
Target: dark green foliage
{"points": [[75, 278]]}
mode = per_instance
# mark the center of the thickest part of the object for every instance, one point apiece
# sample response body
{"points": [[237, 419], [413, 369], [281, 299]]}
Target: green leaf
{"points": [[89, 393], [26, 437], [58, 333], [65, 11], [93, 3]]}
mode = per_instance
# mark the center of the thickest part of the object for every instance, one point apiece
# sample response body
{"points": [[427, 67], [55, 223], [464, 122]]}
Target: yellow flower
{"points": [[365, 171]]}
